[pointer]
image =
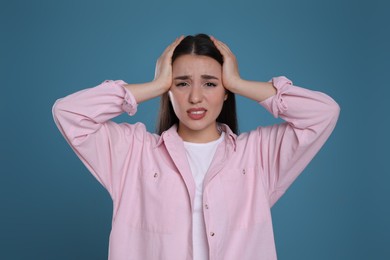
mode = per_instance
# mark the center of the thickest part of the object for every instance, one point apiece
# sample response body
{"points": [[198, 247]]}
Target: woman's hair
{"points": [[199, 44]]}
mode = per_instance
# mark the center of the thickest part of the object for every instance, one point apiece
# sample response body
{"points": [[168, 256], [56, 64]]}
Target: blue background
{"points": [[52, 208]]}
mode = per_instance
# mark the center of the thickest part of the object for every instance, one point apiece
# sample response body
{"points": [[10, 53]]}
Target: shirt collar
{"points": [[171, 134]]}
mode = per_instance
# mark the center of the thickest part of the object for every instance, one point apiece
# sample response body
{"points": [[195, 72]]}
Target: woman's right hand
{"points": [[162, 78], [163, 71]]}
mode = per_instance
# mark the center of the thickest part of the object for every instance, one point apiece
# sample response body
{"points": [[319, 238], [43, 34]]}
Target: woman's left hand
{"points": [[232, 81], [230, 74]]}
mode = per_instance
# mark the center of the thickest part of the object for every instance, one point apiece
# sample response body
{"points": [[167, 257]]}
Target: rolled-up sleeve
{"points": [[84, 119], [287, 148]]}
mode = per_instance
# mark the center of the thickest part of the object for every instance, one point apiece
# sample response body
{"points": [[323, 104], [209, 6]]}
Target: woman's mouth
{"points": [[196, 113]]}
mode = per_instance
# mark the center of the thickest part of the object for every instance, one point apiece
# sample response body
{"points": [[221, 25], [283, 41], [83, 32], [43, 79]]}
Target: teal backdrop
{"points": [[52, 208]]}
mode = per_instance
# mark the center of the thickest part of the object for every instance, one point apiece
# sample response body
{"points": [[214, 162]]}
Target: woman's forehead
{"points": [[196, 65]]}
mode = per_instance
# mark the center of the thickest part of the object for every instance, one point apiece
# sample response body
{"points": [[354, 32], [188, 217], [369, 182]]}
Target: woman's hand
{"points": [[163, 71], [232, 81], [230, 74], [162, 77]]}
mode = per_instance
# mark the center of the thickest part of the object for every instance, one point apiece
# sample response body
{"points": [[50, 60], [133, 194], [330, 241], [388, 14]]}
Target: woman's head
{"points": [[197, 84], [199, 44]]}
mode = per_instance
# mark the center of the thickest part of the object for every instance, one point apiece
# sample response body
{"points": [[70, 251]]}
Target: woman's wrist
{"points": [[145, 91], [255, 90], [235, 85]]}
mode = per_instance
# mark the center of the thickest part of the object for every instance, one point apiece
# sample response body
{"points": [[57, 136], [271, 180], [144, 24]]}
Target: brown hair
{"points": [[199, 44]]}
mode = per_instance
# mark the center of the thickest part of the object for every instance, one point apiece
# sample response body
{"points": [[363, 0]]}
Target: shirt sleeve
{"points": [[287, 148], [83, 118]]}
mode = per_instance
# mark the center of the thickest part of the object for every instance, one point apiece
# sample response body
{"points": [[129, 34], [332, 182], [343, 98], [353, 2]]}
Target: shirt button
{"points": [[155, 175], [206, 206], [212, 234], [243, 171]]}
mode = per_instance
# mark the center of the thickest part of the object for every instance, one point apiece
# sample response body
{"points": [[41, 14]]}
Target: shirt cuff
{"points": [[129, 104], [275, 104]]}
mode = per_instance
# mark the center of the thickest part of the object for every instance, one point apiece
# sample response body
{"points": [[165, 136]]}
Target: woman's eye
{"points": [[182, 84], [210, 84]]}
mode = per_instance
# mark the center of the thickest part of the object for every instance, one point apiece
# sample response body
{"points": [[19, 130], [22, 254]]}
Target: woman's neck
{"points": [[198, 136]]}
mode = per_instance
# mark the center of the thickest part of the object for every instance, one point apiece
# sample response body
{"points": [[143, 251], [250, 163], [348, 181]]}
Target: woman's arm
{"points": [[287, 148], [84, 119], [257, 91], [283, 150]]}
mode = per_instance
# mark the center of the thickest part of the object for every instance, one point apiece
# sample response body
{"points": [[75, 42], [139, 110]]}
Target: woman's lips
{"points": [[196, 113]]}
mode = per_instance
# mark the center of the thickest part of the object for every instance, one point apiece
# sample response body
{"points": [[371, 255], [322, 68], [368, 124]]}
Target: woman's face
{"points": [[197, 96]]}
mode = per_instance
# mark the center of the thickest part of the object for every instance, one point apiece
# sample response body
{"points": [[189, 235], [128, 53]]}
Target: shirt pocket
{"points": [[245, 197], [156, 201]]}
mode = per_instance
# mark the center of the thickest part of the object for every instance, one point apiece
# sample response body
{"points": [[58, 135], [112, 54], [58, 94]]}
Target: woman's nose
{"points": [[195, 95]]}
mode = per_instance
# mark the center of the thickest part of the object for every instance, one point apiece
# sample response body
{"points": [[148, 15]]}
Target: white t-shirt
{"points": [[199, 156]]}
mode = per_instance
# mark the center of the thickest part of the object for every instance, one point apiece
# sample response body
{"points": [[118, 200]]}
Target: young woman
{"points": [[195, 190]]}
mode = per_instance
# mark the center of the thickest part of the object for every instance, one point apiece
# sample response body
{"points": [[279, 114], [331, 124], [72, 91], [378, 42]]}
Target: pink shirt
{"points": [[150, 181]]}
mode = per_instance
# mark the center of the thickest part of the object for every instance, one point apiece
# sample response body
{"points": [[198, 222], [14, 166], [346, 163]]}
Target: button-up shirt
{"points": [[153, 190]]}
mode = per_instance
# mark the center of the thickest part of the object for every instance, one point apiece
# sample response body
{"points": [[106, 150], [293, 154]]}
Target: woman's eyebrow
{"points": [[209, 77], [184, 77], [205, 76]]}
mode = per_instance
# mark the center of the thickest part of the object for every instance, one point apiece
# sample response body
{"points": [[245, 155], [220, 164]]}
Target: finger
{"points": [[216, 41], [217, 44], [176, 42], [171, 47], [222, 47], [225, 47]]}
